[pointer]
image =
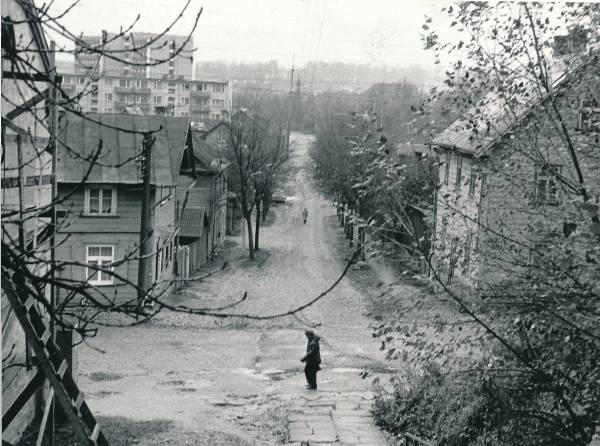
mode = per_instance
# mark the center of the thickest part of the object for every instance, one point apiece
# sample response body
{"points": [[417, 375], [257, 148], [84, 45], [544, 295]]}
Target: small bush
{"points": [[460, 409]]}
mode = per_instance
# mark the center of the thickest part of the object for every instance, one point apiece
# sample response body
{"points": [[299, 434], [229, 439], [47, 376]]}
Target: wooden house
{"points": [[26, 191], [201, 204], [504, 176], [100, 190]]}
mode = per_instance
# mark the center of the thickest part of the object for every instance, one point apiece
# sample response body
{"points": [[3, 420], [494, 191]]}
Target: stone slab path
{"points": [[333, 418]]}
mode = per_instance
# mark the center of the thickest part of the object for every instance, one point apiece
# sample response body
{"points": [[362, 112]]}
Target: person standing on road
{"points": [[305, 215], [312, 359]]}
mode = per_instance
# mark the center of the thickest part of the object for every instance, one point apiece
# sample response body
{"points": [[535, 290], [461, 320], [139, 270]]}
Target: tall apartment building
{"points": [[199, 99], [136, 55]]}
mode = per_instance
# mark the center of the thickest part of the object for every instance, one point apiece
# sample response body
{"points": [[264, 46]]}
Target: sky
{"points": [[376, 31]]}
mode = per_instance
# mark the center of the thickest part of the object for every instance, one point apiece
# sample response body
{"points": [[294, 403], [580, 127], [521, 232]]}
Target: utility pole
{"points": [[145, 225], [289, 117], [53, 96]]}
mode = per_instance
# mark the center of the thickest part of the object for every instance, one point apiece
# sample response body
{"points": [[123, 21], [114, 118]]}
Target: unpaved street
{"points": [[194, 380]]}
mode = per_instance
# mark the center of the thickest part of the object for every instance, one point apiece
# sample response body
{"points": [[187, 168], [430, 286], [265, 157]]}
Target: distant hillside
{"points": [[315, 78]]}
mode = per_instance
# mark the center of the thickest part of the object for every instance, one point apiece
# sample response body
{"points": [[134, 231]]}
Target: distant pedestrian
{"points": [[305, 215], [312, 359]]}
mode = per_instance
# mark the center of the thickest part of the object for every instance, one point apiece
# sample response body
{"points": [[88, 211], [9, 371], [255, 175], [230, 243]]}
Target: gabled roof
{"points": [[192, 222], [495, 115], [79, 138], [210, 156], [35, 24]]}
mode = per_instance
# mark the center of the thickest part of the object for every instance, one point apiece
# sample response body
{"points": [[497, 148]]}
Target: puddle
{"points": [[102, 394], [190, 385], [266, 375], [101, 376], [175, 382]]}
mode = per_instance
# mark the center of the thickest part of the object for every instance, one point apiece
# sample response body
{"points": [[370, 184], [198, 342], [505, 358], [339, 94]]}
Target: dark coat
{"points": [[313, 353]]}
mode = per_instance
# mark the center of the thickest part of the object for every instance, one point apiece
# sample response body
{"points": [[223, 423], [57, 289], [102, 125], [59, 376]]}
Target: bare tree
{"points": [[258, 151]]}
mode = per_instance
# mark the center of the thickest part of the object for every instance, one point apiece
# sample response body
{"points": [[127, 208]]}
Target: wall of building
{"points": [[457, 204], [135, 63], [37, 192], [516, 224], [151, 95], [122, 231]]}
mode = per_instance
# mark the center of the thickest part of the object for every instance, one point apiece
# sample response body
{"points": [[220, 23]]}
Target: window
{"points": [[100, 201], [108, 96], [80, 80], [94, 110], [447, 168], [99, 260], [125, 82], [442, 241], [547, 190], [185, 100], [590, 116], [467, 253], [171, 100], [218, 103], [66, 80], [157, 84], [186, 86], [219, 88], [157, 99], [472, 178], [108, 82], [108, 110], [459, 160]]}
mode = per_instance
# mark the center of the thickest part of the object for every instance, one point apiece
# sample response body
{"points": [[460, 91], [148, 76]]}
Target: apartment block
{"points": [[135, 55], [198, 100]]}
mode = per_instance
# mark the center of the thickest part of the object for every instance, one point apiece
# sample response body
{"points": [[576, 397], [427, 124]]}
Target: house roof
{"points": [[210, 156], [490, 119], [79, 139], [35, 24], [192, 222]]}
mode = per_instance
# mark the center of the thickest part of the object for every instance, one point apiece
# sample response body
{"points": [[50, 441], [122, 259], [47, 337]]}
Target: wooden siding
{"points": [[126, 220], [122, 230]]}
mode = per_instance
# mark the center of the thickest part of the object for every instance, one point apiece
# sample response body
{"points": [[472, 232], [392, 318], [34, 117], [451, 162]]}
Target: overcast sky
{"points": [[373, 31]]}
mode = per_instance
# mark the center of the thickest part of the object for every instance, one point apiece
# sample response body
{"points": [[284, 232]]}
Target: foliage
{"points": [[465, 409], [539, 295]]}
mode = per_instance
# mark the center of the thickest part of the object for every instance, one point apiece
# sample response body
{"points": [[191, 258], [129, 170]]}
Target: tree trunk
{"points": [[250, 241], [257, 228]]}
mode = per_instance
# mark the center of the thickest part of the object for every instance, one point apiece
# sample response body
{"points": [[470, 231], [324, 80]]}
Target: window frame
{"points": [[87, 196], [589, 115], [547, 174], [448, 157], [473, 177], [459, 163], [101, 261]]}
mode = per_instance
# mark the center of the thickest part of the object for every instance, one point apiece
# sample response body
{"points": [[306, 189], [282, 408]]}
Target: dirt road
{"points": [[235, 381]]}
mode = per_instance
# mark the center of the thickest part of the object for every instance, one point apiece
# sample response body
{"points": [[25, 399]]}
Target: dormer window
{"points": [[100, 200]]}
